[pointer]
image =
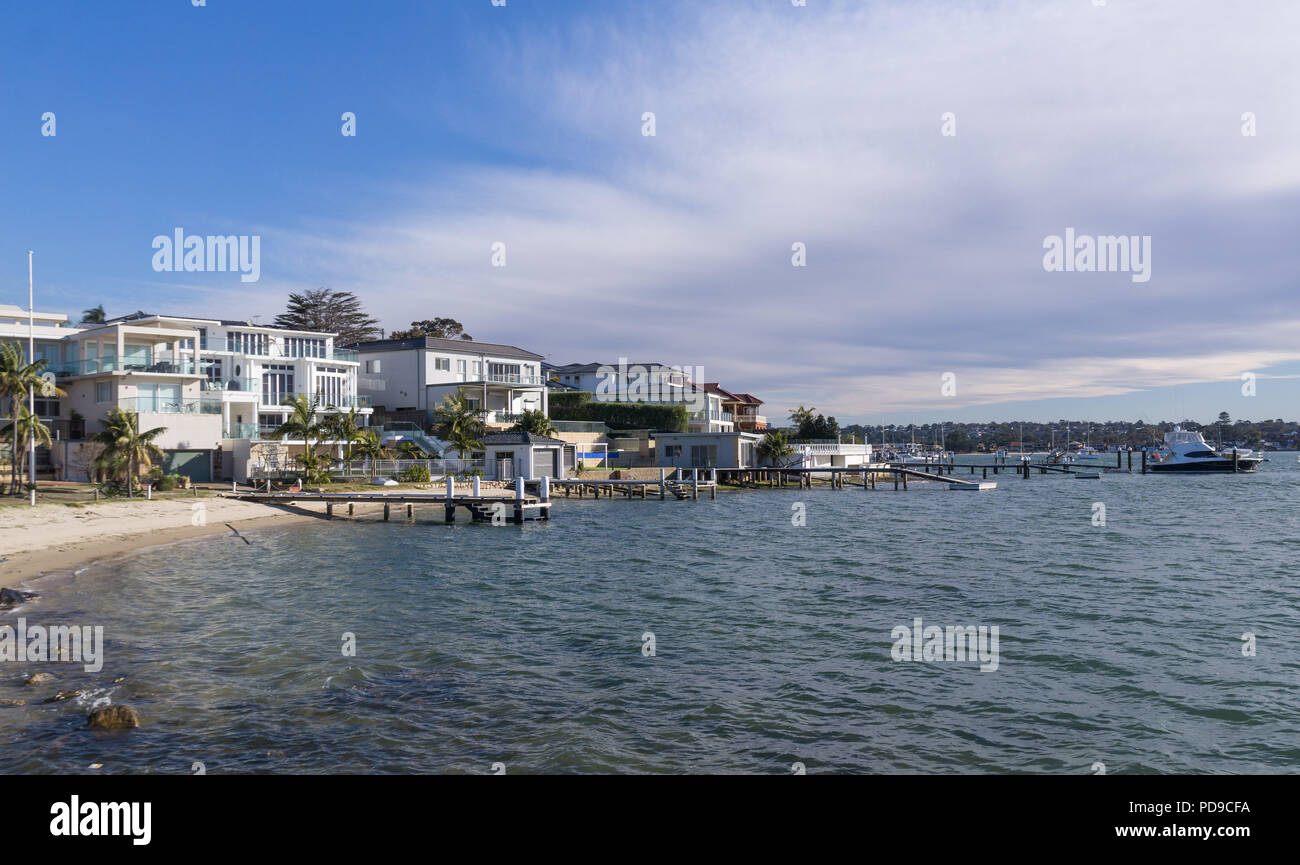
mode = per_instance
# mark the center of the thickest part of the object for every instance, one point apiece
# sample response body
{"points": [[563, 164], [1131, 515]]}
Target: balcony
{"points": [[295, 352], [161, 365], [233, 385], [346, 401], [160, 405]]}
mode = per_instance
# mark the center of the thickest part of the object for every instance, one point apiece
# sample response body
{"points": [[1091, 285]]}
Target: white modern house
{"points": [[216, 386], [416, 374]]}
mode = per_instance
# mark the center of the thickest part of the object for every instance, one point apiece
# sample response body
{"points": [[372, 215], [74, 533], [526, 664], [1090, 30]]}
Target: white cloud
{"points": [[821, 125]]}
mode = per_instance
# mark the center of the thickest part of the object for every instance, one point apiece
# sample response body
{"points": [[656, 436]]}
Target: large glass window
{"points": [[277, 383]]}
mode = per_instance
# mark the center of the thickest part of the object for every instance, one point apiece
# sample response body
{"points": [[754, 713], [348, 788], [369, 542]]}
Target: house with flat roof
{"points": [[415, 374], [217, 386], [707, 450]]}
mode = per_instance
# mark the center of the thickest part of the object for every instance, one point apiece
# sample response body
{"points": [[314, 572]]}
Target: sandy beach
{"points": [[51, 537]]}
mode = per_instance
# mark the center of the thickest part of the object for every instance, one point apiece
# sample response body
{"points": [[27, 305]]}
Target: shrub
{"points": [[415, 475]]}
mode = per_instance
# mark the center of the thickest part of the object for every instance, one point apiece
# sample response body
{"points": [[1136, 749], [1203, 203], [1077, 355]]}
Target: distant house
{"points": [[402, 375], [706, 450], [742, 407]]}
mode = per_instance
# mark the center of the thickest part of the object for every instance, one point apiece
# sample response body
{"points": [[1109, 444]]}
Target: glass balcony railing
{"points": [[345, 354], [162, 364], [241, 431], [162, 405], [241, 385], [292, 351]]}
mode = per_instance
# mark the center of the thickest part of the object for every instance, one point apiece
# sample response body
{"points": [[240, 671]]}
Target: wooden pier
{"points": [[509, 506]]}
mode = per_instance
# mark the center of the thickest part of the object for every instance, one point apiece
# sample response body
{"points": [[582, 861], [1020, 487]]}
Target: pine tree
{"points": [[328, 311]]}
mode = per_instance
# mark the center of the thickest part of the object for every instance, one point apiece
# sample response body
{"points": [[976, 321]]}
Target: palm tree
{"points": [[342, 426], [775, 447], [302, 424], [370, 447], [28, 426], [17, 378], [458, 414], [536, 422], [463, 424], [94, 315], [126, 449]]}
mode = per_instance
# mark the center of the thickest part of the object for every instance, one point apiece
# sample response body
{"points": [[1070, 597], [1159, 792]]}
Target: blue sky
{"points": [[775, 124]]}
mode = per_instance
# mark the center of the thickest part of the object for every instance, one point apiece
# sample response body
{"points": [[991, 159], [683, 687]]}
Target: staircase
{"points": [[676, 488]]}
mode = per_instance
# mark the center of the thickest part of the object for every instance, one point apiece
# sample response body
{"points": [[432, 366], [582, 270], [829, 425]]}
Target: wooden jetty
{"points": [[482, 507], [685, 484]]}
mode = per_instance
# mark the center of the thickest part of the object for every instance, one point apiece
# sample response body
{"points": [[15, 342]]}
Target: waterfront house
{"points": [[723, 450], [411, 377], [216, 386]]}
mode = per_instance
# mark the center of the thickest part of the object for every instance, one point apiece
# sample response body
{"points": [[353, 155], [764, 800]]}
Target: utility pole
{"points": [[31, 391]]}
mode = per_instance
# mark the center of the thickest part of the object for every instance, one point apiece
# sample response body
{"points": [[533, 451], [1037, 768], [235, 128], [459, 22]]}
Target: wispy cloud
{"points": [[822, 125]]}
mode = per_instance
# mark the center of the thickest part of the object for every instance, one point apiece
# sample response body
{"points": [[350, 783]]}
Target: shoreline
{"points": [[103, 534]]}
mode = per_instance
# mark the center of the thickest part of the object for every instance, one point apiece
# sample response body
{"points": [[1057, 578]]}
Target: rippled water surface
{"points": [[476, 644]]}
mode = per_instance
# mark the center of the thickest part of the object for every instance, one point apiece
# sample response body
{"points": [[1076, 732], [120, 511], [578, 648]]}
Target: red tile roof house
{"points": [[742, 406]]}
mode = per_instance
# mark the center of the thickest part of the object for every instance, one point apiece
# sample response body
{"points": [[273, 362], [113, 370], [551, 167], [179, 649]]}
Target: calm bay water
{"points": [[477, 644]]}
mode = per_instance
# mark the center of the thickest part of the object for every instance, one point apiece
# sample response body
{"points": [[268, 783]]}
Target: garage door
{"points": [[195, 465]]}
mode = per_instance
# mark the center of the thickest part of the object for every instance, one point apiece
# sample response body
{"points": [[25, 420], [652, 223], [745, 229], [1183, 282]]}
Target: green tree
{"points": [[94, 315], [1225, 418], [368, 446], [342, 426], [536, 422], [800, 416], [462, 423], [775, 448], [328, 311], [442, 328], [28, 426], [17, 379], [303, 424], [126, 451]]}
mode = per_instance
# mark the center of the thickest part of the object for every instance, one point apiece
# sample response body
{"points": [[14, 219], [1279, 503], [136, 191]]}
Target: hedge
{"points": [[664, 417]]}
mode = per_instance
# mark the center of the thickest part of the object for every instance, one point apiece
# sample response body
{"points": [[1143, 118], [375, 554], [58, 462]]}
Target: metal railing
{"points": [[162, 405], [240, 385]]}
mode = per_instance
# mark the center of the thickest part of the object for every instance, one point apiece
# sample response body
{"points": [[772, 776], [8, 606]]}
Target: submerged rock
{"points": [[8, 702], [113, 718], [39, 678], [14, 597], [65, 695]]}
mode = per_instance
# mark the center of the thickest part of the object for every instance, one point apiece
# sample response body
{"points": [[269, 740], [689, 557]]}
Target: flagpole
{"points": [[31, 391]]}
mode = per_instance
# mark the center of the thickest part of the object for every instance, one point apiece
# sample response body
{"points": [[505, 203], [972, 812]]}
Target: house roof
{"points": [[713, 387], [519, 438], [434, 343], [581, 368]]}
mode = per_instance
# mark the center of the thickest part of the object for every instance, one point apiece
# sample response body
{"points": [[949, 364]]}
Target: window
{"points": [[301, 346], [47, 407], [460, 369], [329, 385], [277, 383], [103, 391], [442, 364], [248, 343], [672, 451], [373, 366], [507, 373], [704, 456]]}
